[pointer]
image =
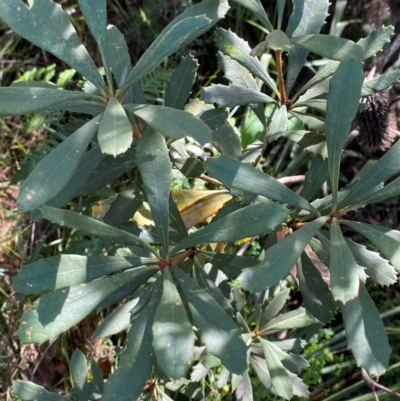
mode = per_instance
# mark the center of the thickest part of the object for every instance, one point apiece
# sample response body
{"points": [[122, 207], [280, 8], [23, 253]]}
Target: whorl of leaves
{"points": [[377, 125]]}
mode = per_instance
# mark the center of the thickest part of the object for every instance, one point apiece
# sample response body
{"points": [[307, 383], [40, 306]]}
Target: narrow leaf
{"points": [[279, 376], [240, 224], [385, 239], [257, 9], [375, 41], [115, 130], [181, 83], [136, 361], [173, 333], [227, 142], [235, 174], [53, 172], [56, 312], [274, 307], [291, 320], [231, 45], [193, 22], [233, 95], [29, 391], [330, 47], [56, 34], [343, 98], [78, 369], [380, 83], [277, 40], [376, 267], [344, 272], [307, 18], [277, 261], [172, 123], [314, 290], [156, 171], [176, 220], [278, 125], [366, 334], [17, 100], [65, 270], [315, 178], [217, 331], [80, 222]]}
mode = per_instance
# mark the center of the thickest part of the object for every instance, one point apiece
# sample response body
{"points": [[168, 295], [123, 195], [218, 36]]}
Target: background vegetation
{"points": [[332, 374]]}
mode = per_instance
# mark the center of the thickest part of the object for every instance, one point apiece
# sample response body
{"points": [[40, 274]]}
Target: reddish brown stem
{"points": [[281, 81]]}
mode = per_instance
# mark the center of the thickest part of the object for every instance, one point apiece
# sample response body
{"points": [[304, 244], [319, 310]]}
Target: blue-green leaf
{"points": [[366, 334], [235, 174], [65, 270], [277, 261], [257, 9], [172, 123], [56, 312], [181, 83], [343, 98], [226, 141], [278, 125], [54, 172], [173, 333], [156, 170], [375, 41], [46, 25], [242, 223], [380, 83], [343, 267], [78, 369], [217, 331], [315, 178], [29, 391], [115, 130]]}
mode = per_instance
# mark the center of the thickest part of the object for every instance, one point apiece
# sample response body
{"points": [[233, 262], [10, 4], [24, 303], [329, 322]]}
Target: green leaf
{"points": [[240, 224], [86, 167], [343, 98], [56, 34], [17, 100], [156, 171], [233, 95], [279, 376], [307, 18], [172, 123], [387, 166], [65, 270], [80, 222], [274, 307], [173, 333], [366, 334], [244, 392], [278, 125], [95, 14], [226, 141], [29, 391], [344, 272], [235, 174], [118, 320], [277, 261], [376, 267], [314, 290], [214, 118], [231, 265], [108, 171], [115, 130], [240, 76], [385, 239], [97, 375], [277, 40], [56, 312], [315, 178], [124, 207], [176, 220], [78, 369], [217, 331], [181, 83], [291, 320], [234, 47], [54, 171], [380, 83], [257, 9], [135, 364], [119, 58], [313, 104], [375, 41], [330, 47], [193, 22], [321, 75]]}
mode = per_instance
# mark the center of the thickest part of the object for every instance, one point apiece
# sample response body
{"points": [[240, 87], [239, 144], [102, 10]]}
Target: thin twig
{"points": [[42, 357], [281, 81], [211, 180], [372, 384], [294, 179]]}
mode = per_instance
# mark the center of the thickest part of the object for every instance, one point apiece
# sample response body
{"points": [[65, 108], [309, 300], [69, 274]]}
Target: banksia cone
{"points": [[377, 125]]}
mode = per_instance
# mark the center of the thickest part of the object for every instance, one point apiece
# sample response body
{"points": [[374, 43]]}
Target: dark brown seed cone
{"points": [[377, 125]]}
